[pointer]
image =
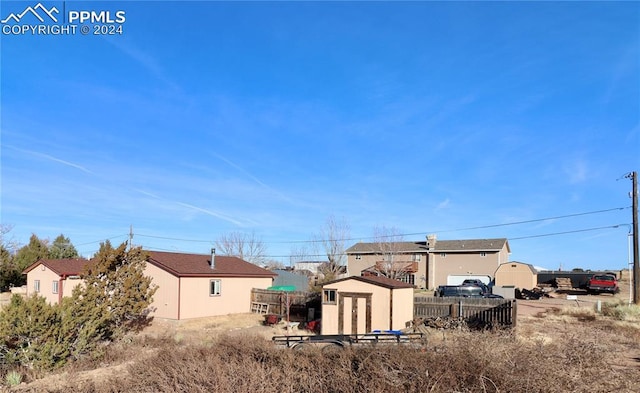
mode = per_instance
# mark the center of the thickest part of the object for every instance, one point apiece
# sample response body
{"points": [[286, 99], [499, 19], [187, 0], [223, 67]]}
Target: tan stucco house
{"points": [[203, 285], [516, 274], [189, 285], [428, 264], [54, 278], [357, 305]]}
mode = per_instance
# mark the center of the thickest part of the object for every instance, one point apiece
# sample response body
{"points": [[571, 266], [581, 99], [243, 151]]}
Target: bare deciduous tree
{"points": [[331, 239], [246, 246], [390, 246], [299, 254], [8, 243]]}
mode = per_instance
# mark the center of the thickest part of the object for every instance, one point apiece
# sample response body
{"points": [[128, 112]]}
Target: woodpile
{"points": [[440, 323], [564, 283]]}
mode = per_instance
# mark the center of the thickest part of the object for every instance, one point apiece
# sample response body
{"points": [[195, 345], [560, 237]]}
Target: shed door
{"points": [[356, 314]]}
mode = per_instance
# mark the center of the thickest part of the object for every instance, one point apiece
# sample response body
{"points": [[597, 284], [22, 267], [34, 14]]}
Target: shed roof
{"points": [[530, 267], [375, 280], [199, 265]]}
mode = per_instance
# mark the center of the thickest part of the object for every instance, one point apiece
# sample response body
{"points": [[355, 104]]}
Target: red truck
{"points": [[603, 283]]}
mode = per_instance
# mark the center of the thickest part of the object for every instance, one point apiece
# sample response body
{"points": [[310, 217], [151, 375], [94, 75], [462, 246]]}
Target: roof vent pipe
{"points": [[213, 258]]}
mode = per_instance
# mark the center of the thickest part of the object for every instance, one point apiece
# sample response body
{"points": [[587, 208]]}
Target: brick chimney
{"points": [[431, 242]]}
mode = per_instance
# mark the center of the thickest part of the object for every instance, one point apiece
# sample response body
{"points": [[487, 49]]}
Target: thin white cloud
{"points": [[236, 166], [251, 176], [146, 61], [51, 158], [444, 204], [577, 171], [211, 213]]}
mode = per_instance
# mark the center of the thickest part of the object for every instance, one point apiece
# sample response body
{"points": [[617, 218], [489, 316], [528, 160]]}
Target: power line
{"points": [[566, 232], [405, 234], [100, 241], [174, 238], [509, 239]]}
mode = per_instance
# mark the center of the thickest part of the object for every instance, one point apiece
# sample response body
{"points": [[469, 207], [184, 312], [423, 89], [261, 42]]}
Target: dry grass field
{"points": [[558, 345]]}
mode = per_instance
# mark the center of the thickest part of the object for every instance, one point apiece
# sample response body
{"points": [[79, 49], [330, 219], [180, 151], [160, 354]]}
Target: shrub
{"points": [[621, 310], [30, 333], [13, 378]]}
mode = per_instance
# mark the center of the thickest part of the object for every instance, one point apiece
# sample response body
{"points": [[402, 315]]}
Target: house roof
{"points": [[440, 246], [198, 265], [374, 280], [62, 267]]}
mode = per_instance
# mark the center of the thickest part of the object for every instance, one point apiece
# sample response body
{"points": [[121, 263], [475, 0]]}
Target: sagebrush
{"points": [[465, 362]]}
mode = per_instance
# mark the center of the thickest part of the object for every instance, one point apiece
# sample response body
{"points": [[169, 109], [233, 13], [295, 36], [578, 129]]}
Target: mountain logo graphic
{"points": [[35, 11]]}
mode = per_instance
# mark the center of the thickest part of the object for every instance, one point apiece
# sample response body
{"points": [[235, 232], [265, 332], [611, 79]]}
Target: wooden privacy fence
{"points": [[490, 312], [267, 301]]}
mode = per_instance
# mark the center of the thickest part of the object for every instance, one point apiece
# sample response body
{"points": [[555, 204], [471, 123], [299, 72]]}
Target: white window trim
{"points": [[326, 297], [215, 287], [54, 286], [36, 286]]}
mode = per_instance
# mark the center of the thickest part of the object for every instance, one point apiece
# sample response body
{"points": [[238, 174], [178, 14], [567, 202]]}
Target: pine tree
{"points": [[34, 251], [62, 248]]}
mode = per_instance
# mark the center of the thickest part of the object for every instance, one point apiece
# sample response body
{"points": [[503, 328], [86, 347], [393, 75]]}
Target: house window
{"points": [[36, 285], [358, 256], [215, 287], [409, 279], [416, 257], [483, 254], [329, 296], [54, 286], [443, 255]]}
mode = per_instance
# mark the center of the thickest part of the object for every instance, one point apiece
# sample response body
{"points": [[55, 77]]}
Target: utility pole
{"points": [[130, 237], [634, 207]]}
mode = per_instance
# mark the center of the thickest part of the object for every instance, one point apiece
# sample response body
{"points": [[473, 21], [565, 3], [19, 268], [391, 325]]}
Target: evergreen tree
{"points": [[9, 273], [62, 248], [115, 283], [36, 249], [113, 300], [29, 333]]}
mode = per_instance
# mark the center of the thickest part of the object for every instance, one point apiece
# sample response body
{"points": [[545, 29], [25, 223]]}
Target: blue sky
{"points": [[203, 118]]}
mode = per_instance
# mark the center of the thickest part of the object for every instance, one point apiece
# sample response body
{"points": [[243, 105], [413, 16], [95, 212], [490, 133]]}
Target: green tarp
{"points": [[284, 288]]}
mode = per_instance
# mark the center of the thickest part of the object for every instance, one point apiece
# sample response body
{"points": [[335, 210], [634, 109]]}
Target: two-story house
{"points": [[428, 264]]}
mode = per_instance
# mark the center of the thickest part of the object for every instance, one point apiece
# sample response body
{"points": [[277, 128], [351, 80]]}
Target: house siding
{"points": [[165, 300], [235, 296], [46, 277], [462, 263]]}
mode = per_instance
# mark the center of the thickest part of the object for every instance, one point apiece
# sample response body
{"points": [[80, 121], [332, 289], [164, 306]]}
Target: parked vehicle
{"points": [[603, 283], [478, 283], [459, 291]]}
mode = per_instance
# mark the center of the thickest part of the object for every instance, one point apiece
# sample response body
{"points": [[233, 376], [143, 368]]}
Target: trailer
{"points": [[334, 341]]}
